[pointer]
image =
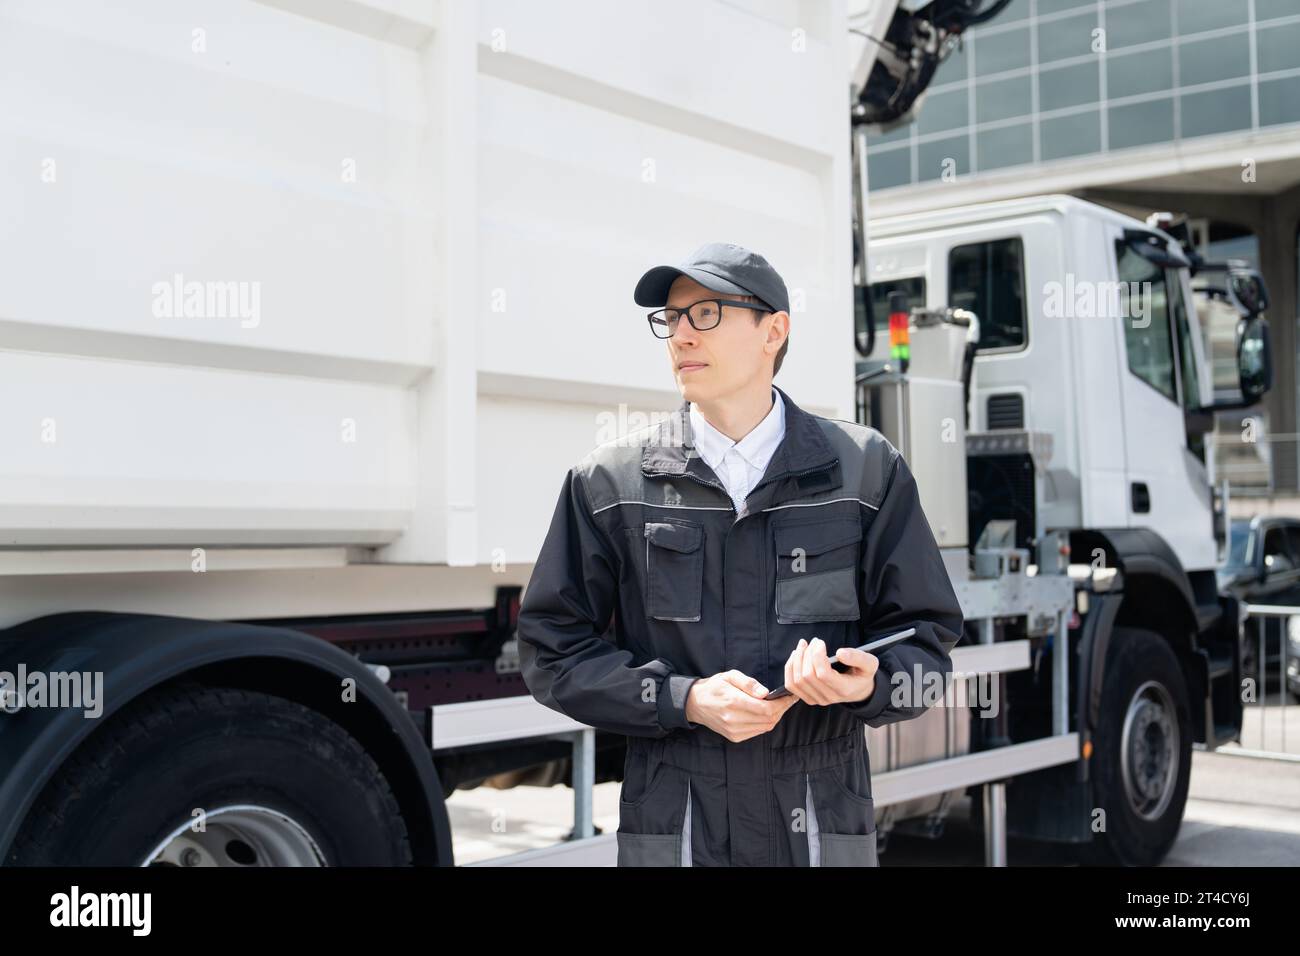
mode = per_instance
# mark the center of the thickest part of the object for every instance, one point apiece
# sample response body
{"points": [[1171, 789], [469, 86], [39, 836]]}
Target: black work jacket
{"points": [[649, 580]]}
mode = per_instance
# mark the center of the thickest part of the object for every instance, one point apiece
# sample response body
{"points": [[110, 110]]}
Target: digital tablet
{"points": [[869, 647]]}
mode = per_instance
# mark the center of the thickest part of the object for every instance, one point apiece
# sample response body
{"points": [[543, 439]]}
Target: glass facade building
{"points": [[1052, 80]]}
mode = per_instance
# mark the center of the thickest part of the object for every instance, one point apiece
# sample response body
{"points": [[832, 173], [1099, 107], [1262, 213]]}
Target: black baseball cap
{"points": [[722, 267]]}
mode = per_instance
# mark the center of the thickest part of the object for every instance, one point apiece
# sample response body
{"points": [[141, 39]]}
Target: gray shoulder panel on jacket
{"points": [[612, 473], [866, 457]]}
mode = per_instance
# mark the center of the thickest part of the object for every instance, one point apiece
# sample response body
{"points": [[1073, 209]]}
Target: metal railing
{"points": [[521, 718], [1266, 716]]}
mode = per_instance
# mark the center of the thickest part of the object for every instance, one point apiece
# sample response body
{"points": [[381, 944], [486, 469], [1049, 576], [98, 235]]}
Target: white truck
{"points": [[290, 286], [1085, 407]]}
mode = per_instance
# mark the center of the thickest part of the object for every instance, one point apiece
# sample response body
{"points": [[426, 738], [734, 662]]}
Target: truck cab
{"points": [[1089, 342], [1042, 364]]}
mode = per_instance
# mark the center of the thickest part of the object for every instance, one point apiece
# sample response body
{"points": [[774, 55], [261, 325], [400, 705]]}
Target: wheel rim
{"points": [[1149, 750], [238, 836]]}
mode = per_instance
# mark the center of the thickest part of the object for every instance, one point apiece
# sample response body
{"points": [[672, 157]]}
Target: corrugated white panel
{"points": [[273, 159], [428, 217]]}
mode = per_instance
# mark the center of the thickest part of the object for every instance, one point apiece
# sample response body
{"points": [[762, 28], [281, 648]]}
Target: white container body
{"points": [[356, 276]]}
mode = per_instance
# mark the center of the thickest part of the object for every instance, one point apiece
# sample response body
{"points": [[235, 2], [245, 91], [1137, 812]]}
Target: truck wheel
{"points": [[202, 776], [1142, 756]]}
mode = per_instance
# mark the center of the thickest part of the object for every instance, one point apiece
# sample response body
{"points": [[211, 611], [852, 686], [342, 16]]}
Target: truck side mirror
{"points": [[1254, 359], [1247, 292], [1254, 365]]}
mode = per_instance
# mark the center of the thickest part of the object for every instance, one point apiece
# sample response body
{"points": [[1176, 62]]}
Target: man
{"points": [[736, 546]]}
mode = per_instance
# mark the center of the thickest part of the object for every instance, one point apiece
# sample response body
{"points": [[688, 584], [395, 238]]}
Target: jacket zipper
{"points": [[712, 484], [720, 487], [766, 751]]}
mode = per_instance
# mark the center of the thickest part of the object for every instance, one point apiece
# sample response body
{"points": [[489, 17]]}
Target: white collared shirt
{"points": [[740, 464]]}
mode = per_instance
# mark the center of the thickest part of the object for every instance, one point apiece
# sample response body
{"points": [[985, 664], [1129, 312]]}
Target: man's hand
{"points": [[732, 704], [810, 677]]}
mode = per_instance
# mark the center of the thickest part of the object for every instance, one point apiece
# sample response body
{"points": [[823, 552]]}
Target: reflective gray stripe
{"points": [[814, 833], [818, 504], [660, 504], [686, 828]]}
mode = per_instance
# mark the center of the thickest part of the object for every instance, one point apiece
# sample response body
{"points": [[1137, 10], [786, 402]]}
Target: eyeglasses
{"points": [[702, 315]]}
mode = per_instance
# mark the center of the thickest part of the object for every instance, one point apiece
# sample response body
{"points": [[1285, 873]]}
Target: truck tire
{"points": [[1142, 751], [274, 783]]}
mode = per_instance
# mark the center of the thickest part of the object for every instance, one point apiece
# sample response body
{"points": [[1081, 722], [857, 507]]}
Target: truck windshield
{"points": [[1238, 538]]}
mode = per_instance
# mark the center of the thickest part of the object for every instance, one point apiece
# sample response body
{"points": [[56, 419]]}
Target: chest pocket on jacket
{"points": [[674, 560], [817, 571]]}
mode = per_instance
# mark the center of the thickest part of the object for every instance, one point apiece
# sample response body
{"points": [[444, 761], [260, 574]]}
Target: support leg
{"points": [[584, 779], [995, 824]]}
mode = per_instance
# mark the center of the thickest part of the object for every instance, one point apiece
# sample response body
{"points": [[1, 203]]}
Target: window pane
{"points": [[1131, 74], [1216, 111], [1005, 146], [1267, 9], [1137, 23], [1197, 15], [1140, 123], [1278, 47], [944, 111], [889, 167], [988, 278], [934, 158], [1016, 10], [1071, 36], [898, 134], [954, 69], [1005, 50], [1068, 86], [1065, 136], [1278, 102], [1219, 58], [1003, 99], [1145, 316], [1057, 6]]}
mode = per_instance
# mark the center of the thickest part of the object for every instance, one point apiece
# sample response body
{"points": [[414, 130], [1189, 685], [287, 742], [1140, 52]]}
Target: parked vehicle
{"points": [[1263, 567]]}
